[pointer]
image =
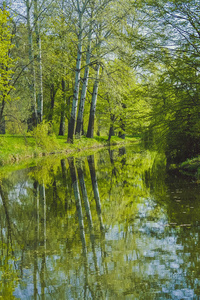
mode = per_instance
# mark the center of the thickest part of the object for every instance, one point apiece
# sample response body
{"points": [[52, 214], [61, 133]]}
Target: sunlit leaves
{"points": [[5, 59]]}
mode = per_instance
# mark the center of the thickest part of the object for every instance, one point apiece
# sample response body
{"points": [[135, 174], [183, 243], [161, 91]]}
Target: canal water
{"points": [[112, 225]]}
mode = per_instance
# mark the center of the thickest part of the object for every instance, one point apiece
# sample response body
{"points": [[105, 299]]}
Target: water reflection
{"points": [[112, 225]]}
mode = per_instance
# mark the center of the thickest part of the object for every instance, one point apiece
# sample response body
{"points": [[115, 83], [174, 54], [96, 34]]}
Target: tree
{"points": [[32, 86], [79, 125], [6, 63], [175, 97], [80, 9], [29, 18]]}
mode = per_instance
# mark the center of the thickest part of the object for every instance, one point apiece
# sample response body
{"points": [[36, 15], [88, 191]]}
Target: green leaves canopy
{"points": [[5, 59]]}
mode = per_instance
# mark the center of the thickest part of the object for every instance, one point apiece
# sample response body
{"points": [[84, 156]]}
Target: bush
{"points": [[44, 136]]}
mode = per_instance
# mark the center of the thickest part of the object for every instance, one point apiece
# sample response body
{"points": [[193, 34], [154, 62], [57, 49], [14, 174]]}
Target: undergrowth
{"points": [[42, 141]]}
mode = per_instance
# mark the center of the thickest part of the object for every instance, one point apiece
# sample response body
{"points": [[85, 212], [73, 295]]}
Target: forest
{"points": [[90, 68], [99, 99]]}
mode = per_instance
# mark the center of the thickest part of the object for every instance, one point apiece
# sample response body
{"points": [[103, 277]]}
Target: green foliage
{"points": [[5, 59], [122, 104], [175, 111], [44, 137], [148, 52], [173, 88]]}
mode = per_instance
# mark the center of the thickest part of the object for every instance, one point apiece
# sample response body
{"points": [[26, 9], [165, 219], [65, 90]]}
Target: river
{"points": [[110, 225]]}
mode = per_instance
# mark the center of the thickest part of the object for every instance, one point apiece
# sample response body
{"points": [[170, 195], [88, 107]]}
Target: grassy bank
{"points": [[14, 148]]}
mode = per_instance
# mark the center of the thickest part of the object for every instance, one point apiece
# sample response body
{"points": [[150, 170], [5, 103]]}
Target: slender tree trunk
{"points": [[39, 67], [63, 108], [111, 132], [2, 125], [40, 93], [90, 131], [79, 124], [71, 127], [52, 96], [32, 122], [2, 107], [122, 134]]}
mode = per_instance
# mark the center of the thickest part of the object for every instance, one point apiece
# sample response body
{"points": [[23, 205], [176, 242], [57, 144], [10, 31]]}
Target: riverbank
{"points": [[191, 167], [15, 148]]}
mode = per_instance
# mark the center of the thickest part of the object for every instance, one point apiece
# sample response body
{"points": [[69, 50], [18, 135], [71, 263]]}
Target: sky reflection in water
{"points": [[112, 225]]}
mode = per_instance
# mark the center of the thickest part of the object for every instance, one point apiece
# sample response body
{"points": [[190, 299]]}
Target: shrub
{"points": [[44, 136]]}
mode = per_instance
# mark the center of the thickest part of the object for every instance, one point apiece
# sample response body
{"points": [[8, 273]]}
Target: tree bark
{"points": [[2, 123], [63, 107], [111, 132], [71, 127], [79, 124], [32, 121], [39, 67], [90, 131], [52, 96]]}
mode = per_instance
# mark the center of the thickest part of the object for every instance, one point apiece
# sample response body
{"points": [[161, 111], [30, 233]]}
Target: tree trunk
{"points": [[32, 121], [111, 132], [2, 118], [79, 124], [122, 134], [40, 93], [63, 107], [2, 125], [39, 66], [71, 127], [52, 96], [90, 131]]}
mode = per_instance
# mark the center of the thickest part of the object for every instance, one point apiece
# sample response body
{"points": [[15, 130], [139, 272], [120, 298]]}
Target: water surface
{"points": [[113, 225]]}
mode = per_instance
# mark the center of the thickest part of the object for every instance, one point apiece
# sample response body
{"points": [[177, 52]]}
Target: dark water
{"points": [[112, 225]]}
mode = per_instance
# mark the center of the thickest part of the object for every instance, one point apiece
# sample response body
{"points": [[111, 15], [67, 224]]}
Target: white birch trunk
{"points": [[32, 85], [71, 128], [90, 131], [39, 66], [79, 124]]}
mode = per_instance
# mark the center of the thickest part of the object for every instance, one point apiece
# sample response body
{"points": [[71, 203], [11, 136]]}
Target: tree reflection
{"points": [[95, 188], [68, 233], [80, 217], [79, 165]]}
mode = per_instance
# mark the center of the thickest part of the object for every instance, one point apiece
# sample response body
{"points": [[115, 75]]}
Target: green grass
{"points": [[15, 148]]}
